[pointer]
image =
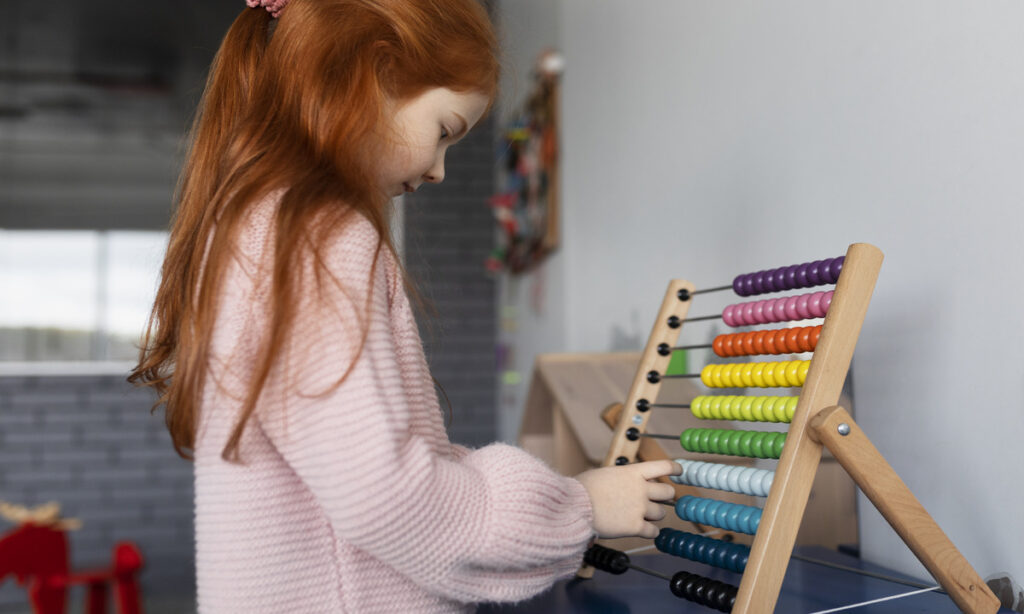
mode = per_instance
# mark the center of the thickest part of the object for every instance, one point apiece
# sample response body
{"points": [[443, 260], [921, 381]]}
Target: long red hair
{"points": [[290, 103]]}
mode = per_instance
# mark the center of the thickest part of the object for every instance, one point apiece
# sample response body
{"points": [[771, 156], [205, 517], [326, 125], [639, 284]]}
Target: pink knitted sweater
{"points": [[351, 498]]}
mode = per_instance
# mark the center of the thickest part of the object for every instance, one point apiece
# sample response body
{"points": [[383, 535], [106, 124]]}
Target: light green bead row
{"points": [[751, 409]]}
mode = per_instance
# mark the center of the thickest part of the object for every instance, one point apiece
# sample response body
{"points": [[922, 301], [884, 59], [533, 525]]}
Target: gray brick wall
{"points": [[449, 231], [90, 443]]}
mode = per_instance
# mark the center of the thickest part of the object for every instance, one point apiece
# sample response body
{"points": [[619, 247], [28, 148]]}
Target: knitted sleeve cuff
{"points": [[535, 530], [535, 516]]}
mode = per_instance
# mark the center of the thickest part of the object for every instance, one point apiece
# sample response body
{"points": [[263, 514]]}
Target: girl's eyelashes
{"points": [[444, 133]]}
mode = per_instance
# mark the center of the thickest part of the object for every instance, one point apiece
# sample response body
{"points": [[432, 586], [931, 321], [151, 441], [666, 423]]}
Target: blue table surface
{"points": [[807, 587]]}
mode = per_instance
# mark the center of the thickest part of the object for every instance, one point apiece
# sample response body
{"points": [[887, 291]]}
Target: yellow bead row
{"points": [[756, 374], [750, 409]]}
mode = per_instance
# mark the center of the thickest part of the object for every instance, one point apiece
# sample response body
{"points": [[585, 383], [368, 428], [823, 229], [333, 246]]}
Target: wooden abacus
{"points": [[814, 421]]}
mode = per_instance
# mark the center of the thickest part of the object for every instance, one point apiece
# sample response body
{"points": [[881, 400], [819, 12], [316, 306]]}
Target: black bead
{"points": [[725, 600], [632, 433], [705, 591], [606, 559], [653, 377], [691, 586], [683, 294], [622, 460], [722, 596], [674, 322], [643, 405], [699, 592], [676, 584], [664, 349]]}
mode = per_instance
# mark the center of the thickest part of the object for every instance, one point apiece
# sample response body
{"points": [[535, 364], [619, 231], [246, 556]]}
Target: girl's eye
{"points": [[444, 133]]}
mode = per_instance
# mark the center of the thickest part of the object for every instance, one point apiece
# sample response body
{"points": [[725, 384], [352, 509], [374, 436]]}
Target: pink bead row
{"points": [[801, 307]]}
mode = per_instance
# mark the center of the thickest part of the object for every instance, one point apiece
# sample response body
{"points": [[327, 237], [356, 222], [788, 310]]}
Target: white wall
{"points": [[703, 139], [530, 307]]}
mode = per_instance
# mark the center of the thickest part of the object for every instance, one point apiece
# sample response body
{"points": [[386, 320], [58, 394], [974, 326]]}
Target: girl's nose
{"points": [[436, 173]]}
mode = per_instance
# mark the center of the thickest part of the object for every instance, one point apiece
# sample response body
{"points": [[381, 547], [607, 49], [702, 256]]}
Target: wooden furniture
{"points": [[813, 421]]}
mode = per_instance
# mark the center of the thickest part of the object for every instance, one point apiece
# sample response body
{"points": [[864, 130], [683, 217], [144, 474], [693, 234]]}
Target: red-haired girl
{"points": [[285, 352]]}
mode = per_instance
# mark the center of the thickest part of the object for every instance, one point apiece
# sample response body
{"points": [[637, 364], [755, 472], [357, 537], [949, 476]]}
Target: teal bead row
{"points": [[752, 444], [703, 549], [728, 516]]}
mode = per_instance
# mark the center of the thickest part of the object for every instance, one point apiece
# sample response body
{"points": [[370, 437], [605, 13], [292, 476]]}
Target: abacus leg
{"points": [[834, 428]]}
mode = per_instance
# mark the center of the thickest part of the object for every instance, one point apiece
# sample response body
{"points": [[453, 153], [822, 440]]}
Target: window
{"points": [[76, 295]]}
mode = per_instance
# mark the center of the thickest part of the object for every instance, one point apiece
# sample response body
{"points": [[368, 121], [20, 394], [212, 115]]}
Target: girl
{"points": [[285, 352]]}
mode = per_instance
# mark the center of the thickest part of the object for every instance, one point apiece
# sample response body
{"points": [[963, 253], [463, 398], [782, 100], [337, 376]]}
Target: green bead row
{"points": [[750, 409], [753, 444]]}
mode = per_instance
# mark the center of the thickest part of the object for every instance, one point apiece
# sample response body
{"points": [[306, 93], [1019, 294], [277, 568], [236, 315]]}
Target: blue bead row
{"points": [[703, 549], [728, 516]]}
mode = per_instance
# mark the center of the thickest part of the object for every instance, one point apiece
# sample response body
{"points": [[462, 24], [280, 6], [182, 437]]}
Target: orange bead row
{"points": [[778, 341]]}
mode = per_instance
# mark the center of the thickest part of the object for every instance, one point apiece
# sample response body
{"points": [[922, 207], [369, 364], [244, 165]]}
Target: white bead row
{"points": [[732, 478]]}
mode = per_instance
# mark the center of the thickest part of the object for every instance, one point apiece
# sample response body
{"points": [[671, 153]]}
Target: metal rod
{"points": [[692, 347], [706, 290], [699, 318], [656, 436], [649, 572], [672, 405], [854, 606], [680, 375]]}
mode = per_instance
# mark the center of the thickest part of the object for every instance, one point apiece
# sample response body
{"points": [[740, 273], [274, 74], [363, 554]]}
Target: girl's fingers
{"points": [[649, 531], [658, 491], [656, 469], [654, 511]]}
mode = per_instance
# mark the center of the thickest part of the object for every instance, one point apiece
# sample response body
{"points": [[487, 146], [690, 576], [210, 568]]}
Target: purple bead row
{"points": [[800, 307], [791, 277]]}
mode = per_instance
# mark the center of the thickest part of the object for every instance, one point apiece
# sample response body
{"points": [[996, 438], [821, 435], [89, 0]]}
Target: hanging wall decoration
{"points": [[527, 208]]}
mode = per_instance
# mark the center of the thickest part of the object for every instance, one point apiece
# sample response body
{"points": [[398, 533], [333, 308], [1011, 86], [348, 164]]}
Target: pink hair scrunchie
{"points": [[274, 7]]}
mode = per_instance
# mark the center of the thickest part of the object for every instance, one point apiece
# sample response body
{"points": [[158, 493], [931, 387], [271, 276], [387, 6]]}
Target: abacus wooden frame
{"points": [[794, 475]]}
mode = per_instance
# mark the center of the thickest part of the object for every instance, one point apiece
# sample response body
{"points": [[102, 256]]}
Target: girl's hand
{"points": [[623, 497]]}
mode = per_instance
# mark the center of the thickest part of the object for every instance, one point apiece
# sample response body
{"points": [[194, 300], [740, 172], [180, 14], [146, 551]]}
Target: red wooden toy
{"points": [[36, 554]]}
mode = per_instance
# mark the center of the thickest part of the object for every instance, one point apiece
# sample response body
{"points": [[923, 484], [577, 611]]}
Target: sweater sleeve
{"points": [[347, 408]]}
